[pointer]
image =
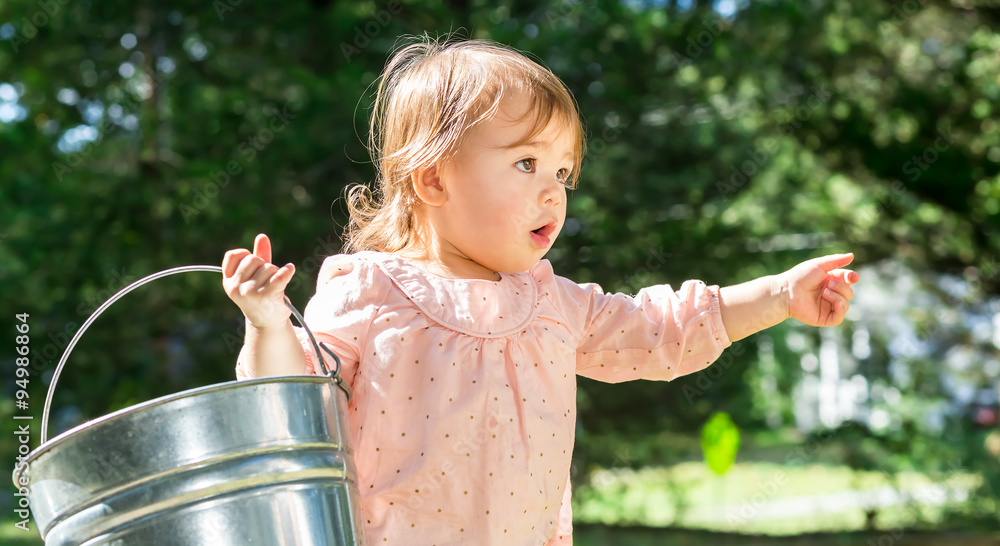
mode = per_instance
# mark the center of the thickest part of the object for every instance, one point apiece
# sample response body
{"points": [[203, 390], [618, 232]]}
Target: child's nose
{"points": [[551, 195]]}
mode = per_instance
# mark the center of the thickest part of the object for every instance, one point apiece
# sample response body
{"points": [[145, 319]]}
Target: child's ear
{"points": [[429, 187]]}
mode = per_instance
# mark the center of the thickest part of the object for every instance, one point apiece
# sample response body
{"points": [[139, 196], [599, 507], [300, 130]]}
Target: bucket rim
{"points": [[24, 465]]}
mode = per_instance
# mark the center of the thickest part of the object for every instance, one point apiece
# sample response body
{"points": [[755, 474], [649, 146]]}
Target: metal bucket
{"points": [[265, 461]]}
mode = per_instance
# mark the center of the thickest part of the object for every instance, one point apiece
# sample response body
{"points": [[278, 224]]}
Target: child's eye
{"points": [[562, 175], [526, 165]]}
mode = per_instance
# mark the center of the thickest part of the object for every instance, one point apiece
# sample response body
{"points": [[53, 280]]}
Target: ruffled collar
{"points": [[475, 307]]}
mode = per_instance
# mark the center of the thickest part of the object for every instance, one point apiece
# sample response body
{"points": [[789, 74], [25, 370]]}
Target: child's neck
{"points": [[448, 263]]}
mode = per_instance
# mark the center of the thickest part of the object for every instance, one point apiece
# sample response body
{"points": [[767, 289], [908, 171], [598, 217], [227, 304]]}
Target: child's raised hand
{"points": [[256, 285], [819, 293]]}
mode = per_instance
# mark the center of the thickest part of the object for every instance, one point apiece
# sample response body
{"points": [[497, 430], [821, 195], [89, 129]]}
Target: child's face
{"points": [[506, 205]]}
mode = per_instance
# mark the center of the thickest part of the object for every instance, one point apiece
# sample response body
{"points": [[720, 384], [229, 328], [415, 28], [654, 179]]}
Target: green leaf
{"points": [[720, 440]]}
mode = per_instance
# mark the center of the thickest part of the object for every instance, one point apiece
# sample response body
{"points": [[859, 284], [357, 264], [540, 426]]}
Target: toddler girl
{"points": [[461, 345]]}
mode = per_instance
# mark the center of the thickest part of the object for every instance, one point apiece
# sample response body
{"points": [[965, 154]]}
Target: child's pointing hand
{"points": [[256, 285], [817, 292]]}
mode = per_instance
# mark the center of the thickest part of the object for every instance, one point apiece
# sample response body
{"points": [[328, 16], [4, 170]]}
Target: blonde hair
{"points": [[429, 96]]}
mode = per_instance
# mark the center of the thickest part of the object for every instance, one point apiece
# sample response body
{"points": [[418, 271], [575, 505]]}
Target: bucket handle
{"points": [[333, 374]]}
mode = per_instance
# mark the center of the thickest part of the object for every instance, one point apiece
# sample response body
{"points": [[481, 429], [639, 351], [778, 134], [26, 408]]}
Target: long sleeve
{"points": [[348, 295], [339, 314], [658, 334]]}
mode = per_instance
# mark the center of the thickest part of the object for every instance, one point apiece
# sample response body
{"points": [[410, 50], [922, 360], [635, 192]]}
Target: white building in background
{"points": [[965, 338], [831, 392]]}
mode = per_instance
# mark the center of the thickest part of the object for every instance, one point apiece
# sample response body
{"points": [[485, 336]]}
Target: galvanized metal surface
{"points": [[265, 461], [252, 462]]}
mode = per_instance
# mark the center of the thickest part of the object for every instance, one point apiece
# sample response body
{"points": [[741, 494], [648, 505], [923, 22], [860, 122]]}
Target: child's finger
{"points": [[833, 261], [846, 275], [842, 288], [262, 247], [271, 279], [262, 277], [248, 267], [232, 260], [280, 279], [839, 303]]}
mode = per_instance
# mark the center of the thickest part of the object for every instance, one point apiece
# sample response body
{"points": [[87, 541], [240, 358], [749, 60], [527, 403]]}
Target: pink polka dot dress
{"points": [[464, 406]]}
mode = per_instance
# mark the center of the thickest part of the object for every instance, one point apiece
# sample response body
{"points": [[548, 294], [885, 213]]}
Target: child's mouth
{"points": [[541, 235]]}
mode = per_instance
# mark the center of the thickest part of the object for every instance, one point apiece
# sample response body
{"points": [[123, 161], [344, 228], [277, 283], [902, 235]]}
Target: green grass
{"points": [[599, 535], [13, 536], [689, 495]]}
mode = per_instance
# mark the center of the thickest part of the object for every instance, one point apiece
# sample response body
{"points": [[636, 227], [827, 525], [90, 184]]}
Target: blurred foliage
{"points": [[727, 140]]}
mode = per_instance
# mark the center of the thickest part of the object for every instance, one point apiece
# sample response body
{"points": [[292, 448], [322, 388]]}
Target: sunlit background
{"points": [[727, 140]]}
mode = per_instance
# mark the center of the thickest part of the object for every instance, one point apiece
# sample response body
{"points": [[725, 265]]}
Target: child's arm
{"points": [[814, 292], [272, 352], [257, 287]]}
